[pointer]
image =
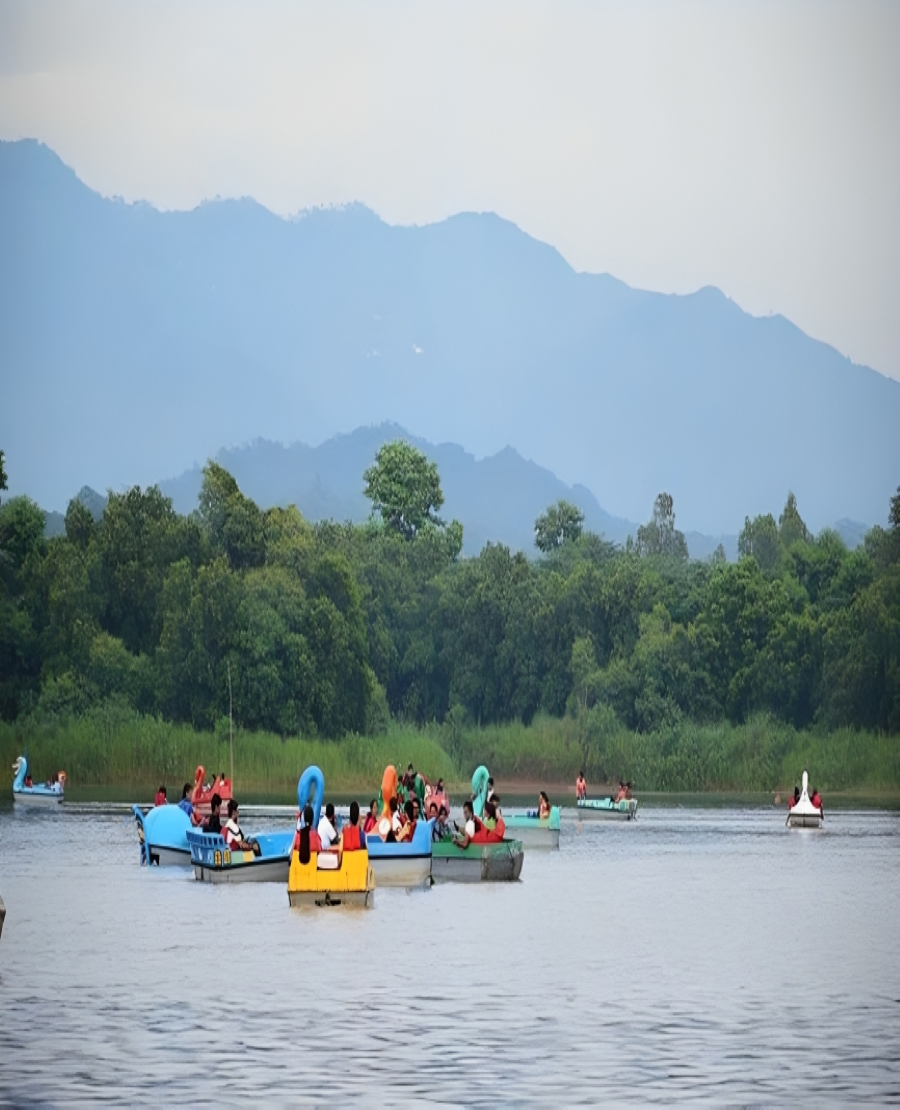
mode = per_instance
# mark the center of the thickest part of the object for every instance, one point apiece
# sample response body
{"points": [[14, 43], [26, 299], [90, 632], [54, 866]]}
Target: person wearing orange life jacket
{"points": [[580, 787], [493, 828]]}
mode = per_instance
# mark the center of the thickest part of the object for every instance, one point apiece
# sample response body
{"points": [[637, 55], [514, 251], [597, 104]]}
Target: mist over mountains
{"points": [[134, 342]]}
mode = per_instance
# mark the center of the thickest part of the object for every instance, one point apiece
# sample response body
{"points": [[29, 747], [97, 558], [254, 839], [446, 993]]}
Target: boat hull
{"points": [[613, 812], [804, 820], [166, 856], [478, 863], [261, 871], [401, 871], [45, 799], [533, 831], [361, 898]]}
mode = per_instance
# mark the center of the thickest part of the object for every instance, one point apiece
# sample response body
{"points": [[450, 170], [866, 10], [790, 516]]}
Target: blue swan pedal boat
{"points": [[162, 832], [39, 794]]}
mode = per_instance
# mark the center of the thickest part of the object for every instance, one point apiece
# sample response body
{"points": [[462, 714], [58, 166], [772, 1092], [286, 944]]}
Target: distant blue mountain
{"points": [[133, 342], [497, 499]]}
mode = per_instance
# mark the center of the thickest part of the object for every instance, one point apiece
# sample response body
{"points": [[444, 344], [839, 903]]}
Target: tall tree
{"points": [[404, 488], [660, 536], [560, 523], [791, 528]]}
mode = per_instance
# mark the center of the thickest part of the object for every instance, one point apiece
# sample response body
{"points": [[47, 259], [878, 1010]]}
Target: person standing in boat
{"points": [[580, 787]]}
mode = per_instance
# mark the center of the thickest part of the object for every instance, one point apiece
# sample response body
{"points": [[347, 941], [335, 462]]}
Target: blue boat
{"points": [[39, 794], [163, 835], [534, 831], [215, 862]]}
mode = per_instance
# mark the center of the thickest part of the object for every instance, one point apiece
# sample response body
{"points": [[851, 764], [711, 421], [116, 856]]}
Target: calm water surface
{"points": [[696, 954]]}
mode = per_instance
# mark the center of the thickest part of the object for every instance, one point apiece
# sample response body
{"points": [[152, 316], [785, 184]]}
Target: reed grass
{"points": [[113, 748]]}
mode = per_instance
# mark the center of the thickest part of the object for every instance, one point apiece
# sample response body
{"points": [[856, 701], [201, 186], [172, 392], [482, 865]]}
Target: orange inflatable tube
{"points": [[388, 789]]}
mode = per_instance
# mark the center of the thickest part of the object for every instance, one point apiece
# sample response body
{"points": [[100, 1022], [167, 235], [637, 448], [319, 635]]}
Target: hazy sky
{"points": [[752, 146]]}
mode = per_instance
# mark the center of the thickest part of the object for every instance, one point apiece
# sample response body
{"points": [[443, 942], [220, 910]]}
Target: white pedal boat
{"points": [[803, 814], [39, 794]]}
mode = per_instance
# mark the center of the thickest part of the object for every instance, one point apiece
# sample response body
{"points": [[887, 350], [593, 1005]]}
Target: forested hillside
{"points": [[333, 629]]}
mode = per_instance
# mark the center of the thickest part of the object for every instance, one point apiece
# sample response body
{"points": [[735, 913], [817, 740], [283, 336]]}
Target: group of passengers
{"points": [[814, 796], [54, 783], [324, 838]]}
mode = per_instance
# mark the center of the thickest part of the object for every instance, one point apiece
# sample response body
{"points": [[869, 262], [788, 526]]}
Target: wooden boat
{"points": [[534, 831], [162, 833], [405, 864], [498, 861], [39, 794], [803, 814], [214, 862], [595, 809]]}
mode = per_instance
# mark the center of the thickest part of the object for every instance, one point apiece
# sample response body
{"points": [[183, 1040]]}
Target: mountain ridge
{"points": [[134, 340]]}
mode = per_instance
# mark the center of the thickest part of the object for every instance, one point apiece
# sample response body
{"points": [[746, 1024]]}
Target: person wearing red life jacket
{"points": [[161, 798], [353, 838], [816, 800], [796, 798], [371, 817]]}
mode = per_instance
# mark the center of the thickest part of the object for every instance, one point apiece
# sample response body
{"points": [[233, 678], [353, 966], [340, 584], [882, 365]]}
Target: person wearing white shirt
{"points": [[326, 830]]}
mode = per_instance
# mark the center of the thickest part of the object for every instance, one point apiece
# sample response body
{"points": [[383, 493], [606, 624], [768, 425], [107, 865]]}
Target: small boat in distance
{"points": [[36, 794], [593, 809], [803, 814]]}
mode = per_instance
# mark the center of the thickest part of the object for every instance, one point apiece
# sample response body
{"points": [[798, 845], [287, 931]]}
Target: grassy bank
{"points": [[114, 748]]}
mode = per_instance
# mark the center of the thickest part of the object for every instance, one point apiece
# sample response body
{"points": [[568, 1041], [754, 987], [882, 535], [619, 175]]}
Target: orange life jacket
{"points": [[350, 838]]}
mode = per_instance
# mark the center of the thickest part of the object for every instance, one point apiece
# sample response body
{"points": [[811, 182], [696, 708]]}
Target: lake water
{"points": [[696, 954]]}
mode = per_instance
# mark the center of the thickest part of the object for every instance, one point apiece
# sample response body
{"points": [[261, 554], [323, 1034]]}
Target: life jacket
{"points": [[350, 837], [499, 830]]}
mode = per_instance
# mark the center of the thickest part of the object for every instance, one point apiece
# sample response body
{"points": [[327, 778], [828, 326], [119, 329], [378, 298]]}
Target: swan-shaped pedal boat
{"points": [[405, 863], [482, 860], [38, 794], [333, 878], [162, 832], [803, 814], [201, 798], [594, 809], [529, 829]]}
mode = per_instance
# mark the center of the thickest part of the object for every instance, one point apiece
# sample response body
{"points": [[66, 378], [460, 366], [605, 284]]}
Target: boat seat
{"points": [[328, 861]]}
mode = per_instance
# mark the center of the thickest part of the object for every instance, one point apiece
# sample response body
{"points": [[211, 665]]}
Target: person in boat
{"points": [[396, 818], [353, 838], [213, 823], [441, 830], [620, 795], [796, 798], [327, 832], [471, 828], [161, 798], [371, 820], [408, 829], [29, 782], [580, 787], [188, 807], [494, 825], [816, 800], [628, 794], [490, 789], [432, 811], [543, 806], [307, 839], [233, 834], [417, 811]]}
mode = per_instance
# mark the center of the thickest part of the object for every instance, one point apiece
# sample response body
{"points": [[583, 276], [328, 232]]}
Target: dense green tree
{"points": [[660, 536], [233, 523], [560, 523], [759, 538], [404, 488], [791, 528]]}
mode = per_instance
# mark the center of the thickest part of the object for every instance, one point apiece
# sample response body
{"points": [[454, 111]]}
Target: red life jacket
{"points": [[350, 838], [498, 831]]}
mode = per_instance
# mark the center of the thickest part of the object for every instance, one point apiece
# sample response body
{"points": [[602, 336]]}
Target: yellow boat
{"points": [[350, 883]]}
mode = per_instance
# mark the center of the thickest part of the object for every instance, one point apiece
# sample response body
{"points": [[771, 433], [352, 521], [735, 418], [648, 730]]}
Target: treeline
{"points": [[335, 629]]}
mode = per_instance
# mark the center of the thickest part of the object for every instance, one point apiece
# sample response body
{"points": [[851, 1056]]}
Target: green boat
{"points": [[534, 831], [593, 809], [494, 862]]}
